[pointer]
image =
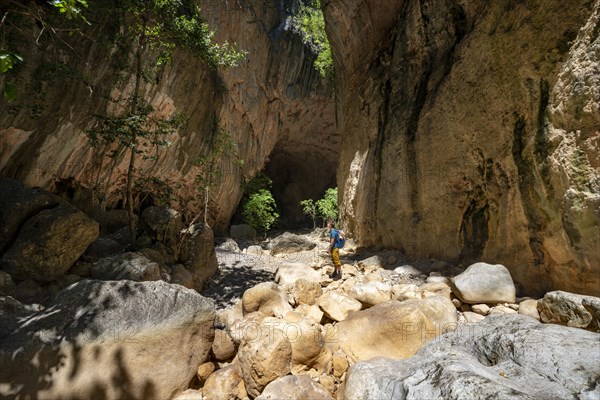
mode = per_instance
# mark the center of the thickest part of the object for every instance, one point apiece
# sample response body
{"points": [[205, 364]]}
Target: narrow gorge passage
{"points": [[299, 199]]}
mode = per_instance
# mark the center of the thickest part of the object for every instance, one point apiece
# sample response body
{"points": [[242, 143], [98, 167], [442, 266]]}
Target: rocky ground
{"points": [[285, 329], [85, 314]]}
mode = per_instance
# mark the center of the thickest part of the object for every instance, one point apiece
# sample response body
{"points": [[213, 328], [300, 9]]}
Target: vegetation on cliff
{"points": [[308, 21]]}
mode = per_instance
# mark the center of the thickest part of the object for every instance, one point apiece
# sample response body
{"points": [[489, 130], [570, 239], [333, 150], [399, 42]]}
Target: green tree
{"points": [[260, 210], [309, 22], [309, 207], [12, 14], [328, 205], [156, 28]]}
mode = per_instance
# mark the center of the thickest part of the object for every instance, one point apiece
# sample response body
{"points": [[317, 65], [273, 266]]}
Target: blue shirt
{"points": [[335, 234]]}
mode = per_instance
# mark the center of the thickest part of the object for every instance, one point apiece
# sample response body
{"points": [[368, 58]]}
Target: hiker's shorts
{"points": [[335, 257]]}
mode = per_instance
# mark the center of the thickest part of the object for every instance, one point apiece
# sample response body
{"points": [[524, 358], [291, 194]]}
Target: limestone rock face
{"points": [[570, 309], [395, 329], [99, 338], [512, 177], [49, 243], [275, 105], [501, 357], [294, 388], [485, 283]]}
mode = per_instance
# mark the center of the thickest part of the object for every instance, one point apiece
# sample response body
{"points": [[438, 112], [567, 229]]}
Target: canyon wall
{"points": [[274, 104], [471, 132]]}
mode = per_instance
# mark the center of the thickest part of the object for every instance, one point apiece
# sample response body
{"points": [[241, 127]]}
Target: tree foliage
{"points": [[12, 15], [260, 210], [309, 207], [309, 22], [328, 205], [324, 208]]}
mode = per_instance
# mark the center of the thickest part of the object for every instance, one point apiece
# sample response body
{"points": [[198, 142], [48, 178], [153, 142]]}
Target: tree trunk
{"points": [[130, 170], [133, 145]]}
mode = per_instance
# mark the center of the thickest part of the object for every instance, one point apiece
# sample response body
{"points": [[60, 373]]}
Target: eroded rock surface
{"points": [[502, 357], [98, 339]]}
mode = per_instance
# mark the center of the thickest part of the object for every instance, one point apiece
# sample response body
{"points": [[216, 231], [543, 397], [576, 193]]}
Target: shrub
{"points": [[260, 210]]}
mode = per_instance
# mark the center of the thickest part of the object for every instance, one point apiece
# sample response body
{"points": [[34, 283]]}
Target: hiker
{"points": [[334, 249]]}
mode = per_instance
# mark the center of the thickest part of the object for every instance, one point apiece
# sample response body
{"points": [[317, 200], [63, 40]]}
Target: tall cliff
{"points": [[278, 109], [471, 132]]}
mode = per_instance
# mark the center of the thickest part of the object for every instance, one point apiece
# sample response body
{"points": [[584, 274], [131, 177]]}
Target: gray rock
{"points": [[112, 221], [484, 283], [132, 266], [529, 308], [162, 224], [372, 263], [243, 232], [290, 243], [292, 387], [228, 244], [101, 339], [198, 253], [18, 203], [570, 309], [49, 243], [501, 357], [180, 275], [7, 286], [289, 272], [30, 291], [103, 247]]}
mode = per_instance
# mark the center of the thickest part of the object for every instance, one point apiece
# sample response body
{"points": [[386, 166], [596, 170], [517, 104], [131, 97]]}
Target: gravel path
{"points": [[240, 271]]}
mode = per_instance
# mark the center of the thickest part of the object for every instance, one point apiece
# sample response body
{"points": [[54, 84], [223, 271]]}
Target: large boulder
{"points": [[49, 243], [306, 291], [570, 309], [264, 354], [198, 253], [290, 243], [372, 293], [338, 306], [484, 283], [18, 203], [293, 387], [395, 329], [103, 247], [502, 357], [99, 339], [266, 298], [223, 347], [289, 272], [223, 384], [306, 339], [162, 224], [132, 266]]}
